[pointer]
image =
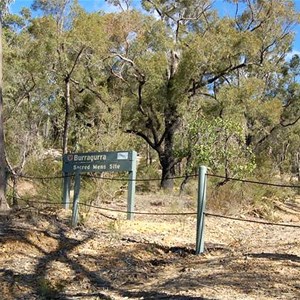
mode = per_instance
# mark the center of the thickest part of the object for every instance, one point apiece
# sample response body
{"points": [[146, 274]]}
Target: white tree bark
{"points": [[3, 167]]}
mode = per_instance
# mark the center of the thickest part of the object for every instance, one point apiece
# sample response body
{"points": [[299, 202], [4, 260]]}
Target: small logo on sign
{"points": [[70, 157]]}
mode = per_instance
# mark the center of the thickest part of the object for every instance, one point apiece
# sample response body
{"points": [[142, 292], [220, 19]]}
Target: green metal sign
{"points": [[91, 162], [98, 162]]}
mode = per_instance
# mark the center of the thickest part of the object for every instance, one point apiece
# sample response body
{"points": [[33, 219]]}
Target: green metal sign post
{"points": [[76, 200], [97, 162], [201, 210]]}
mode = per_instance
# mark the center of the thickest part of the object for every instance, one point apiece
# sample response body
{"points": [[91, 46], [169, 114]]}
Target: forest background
{"points": [[174, 80]]}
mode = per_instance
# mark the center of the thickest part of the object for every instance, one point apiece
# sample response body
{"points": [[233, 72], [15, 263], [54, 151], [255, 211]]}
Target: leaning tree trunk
{"points": [[3, 179]]}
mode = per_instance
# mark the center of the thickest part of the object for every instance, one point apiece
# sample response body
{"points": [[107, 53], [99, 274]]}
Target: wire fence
{"points": [[157, 179], [57, 202]]}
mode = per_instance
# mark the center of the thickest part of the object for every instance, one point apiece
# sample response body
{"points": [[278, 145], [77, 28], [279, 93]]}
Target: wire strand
{"points": [[137, 179], [45, 177], [138, 212], [68, 175], [251, 221], [253, 181], [100, 177]]}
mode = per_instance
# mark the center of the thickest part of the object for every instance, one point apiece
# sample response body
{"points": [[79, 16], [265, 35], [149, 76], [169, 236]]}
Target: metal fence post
{"points": [[201, 209], [76, 200], [131, 188]]}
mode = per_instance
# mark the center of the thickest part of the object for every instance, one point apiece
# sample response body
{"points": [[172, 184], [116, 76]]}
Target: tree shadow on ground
{"points": [[37, 280], [131, 269], [276, 256], [153, 295]]}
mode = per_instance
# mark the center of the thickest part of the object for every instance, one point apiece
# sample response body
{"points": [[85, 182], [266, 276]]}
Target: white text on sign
{"points": [[114, 166]]}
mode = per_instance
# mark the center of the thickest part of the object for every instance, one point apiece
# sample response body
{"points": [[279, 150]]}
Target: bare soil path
{"points": [[151, 257]]}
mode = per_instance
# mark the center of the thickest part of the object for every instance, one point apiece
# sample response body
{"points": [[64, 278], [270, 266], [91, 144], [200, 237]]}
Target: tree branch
{"points": [[200, 84], [143, 136], [75, 62], [97, 94]]}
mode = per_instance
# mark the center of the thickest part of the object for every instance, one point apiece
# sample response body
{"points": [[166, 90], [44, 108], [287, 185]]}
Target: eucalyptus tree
{"points": [[56, 15], [3, 166], [23, 112], [73, 43], [281, 142], [188, 58], [53, 34]]}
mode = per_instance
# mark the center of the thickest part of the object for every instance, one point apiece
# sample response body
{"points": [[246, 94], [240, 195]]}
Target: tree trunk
{"points": [[167, 159], [3, 168], [298, 170], [167, 164], [67, 116]]}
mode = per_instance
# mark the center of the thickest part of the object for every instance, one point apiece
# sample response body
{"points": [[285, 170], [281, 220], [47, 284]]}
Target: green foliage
{"points": [[48, 290], [193, 86], [40, 166], [150, 171], [4, 7], [219, 144]]}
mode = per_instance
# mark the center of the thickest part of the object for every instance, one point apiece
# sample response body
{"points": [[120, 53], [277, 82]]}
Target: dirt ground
{"points": [[150, 257]]}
